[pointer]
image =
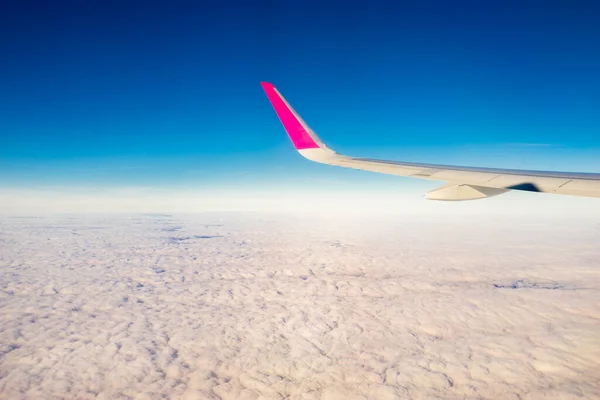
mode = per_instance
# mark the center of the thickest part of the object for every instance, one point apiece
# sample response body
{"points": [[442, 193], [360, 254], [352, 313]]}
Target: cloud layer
{"points": [[249, 306]]}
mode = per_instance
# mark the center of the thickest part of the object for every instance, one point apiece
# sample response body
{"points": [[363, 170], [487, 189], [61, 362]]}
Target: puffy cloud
{"points": [[248, 306]]}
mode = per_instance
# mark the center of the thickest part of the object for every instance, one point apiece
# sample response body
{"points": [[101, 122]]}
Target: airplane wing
{"points": [[462, 183]]}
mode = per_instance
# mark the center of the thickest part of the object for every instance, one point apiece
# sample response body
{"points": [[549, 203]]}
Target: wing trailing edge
{"points": [[461, 192]]}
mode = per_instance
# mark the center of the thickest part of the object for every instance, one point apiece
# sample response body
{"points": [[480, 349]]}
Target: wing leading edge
{"points": [[462, 183]]}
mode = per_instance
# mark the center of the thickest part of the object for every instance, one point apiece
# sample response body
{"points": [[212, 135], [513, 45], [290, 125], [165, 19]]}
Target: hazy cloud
{"points": [[393, 198]]}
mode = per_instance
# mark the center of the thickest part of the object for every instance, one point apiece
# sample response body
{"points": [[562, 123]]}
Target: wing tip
{"points": [[292, 123]]}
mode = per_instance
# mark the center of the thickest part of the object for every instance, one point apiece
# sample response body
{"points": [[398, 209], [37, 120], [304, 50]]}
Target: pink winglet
{"points": [[297, 133]]}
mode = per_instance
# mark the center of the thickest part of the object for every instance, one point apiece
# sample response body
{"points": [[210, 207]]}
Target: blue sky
{"points": [[166, 94]]}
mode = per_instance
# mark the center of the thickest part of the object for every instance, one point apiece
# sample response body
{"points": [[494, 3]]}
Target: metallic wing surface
{"points": [[461, 183]]}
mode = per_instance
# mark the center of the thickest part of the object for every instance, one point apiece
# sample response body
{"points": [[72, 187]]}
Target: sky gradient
{"points": [[166, 95]]}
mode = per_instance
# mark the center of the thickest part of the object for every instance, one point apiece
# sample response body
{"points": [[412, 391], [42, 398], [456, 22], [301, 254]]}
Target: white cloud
{"points": [[248, 305]]}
